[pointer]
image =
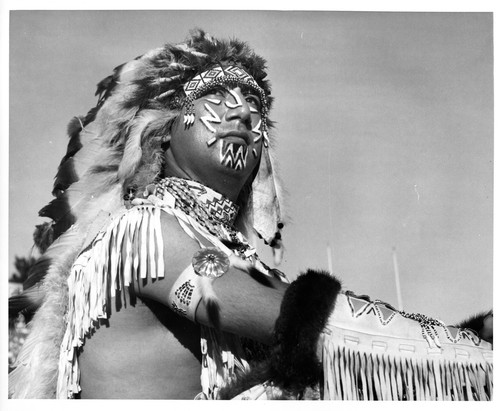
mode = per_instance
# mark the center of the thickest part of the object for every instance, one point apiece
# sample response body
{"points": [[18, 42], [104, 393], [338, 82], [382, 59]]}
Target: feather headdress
{"points": [[114, 152]]}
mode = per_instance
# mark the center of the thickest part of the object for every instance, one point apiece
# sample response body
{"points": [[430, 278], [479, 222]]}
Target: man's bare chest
{"points": [[144, 351]]}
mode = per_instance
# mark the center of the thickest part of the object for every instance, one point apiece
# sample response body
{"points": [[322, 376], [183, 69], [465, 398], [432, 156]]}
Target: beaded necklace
{"points": [[210, 209]]}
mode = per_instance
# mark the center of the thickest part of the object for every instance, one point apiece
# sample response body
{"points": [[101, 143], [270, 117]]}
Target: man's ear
{"points": [[165, 145]]}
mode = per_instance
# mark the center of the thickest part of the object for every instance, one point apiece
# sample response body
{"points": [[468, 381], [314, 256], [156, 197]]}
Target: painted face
{"points": [[223, 132]]}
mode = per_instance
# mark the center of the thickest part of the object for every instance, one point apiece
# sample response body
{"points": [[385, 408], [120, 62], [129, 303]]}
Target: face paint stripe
{"points": [[257, 131], [207, 119], [234, 155], [211, 141], [236, 98], [213, 101], [254, 152]]}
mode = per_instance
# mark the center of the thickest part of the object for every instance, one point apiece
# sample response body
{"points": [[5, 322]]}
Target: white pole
{"points": [[396, 275], [329, 256]]}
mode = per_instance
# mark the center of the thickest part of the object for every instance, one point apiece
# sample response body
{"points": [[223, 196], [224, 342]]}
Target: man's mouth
{"points": [[235, 134], [233, 155]]}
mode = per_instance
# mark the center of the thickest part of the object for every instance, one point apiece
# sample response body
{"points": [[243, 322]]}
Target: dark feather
{"points": [[105, 86], [71, 168], [66, 175], [59, 211], [43, 236], [37, 272], [32, 296], [25, 303]]}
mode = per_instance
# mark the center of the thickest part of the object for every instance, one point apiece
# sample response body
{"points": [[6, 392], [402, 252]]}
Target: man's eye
{"points": [[217, 91], [253, 100]]}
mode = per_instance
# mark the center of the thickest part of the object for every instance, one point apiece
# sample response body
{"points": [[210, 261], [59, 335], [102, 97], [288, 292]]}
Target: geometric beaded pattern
{"points": [[213, 73], [216, 204], [188, 198], [429, 332], [185, 292], [222, 208], [361, 304]]}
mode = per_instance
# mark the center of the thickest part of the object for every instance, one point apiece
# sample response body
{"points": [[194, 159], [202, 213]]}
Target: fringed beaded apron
{"points": [[371, 351]]}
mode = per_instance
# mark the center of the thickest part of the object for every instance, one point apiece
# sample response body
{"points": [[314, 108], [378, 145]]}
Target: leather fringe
{"points": [[134, 243], [351, 374]]}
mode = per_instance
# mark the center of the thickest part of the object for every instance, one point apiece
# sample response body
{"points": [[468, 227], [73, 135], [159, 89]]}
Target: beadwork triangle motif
{"points": [[363, 305], [454, 332], [358, 305], [385, 314]]}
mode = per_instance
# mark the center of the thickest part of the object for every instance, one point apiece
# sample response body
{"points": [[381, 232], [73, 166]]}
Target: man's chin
{"points": [[234, 155]]}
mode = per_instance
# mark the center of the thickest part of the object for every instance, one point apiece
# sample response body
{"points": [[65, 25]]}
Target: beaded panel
{"points": [[185, 292], [214, 73]]}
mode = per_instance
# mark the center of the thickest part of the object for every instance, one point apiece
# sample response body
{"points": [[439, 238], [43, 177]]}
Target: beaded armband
{"points": [[186, 294], [194, 283]]}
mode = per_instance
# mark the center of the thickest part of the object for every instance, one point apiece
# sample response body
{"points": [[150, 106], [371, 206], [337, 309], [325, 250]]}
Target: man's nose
{"points": [[238, 107]]}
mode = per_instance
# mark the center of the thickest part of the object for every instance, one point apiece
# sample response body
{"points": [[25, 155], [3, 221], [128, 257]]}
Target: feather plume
{"points": [[25, 303], [211, 301], [133, 151], [35, 374], [265, 201]]}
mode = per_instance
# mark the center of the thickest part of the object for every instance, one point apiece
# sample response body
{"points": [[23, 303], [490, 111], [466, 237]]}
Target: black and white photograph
{"points": [[248, 204]]}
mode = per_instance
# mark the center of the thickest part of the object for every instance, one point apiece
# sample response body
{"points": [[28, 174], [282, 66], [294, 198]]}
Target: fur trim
{"points": [[307, 304], [477, 324], [293, 365]]}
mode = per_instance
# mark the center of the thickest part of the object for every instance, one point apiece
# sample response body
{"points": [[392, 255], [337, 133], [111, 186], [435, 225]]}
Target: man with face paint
{"points": [[163, 185], [220, 141], [153, 287]]}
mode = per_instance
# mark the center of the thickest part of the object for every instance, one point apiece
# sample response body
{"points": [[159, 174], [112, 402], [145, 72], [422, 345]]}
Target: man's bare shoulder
{"points": [[174, 236], [176, 250]]}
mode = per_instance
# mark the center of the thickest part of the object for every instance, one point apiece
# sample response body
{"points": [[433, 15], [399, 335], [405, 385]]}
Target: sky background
{"points": [[384, 135]]}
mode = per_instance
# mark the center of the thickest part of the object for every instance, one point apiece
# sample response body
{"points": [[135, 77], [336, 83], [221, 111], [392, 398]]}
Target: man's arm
{"points": [[248, 306]]}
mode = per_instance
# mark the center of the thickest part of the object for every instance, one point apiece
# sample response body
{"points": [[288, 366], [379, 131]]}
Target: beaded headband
{"points": [[218, 75]]}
